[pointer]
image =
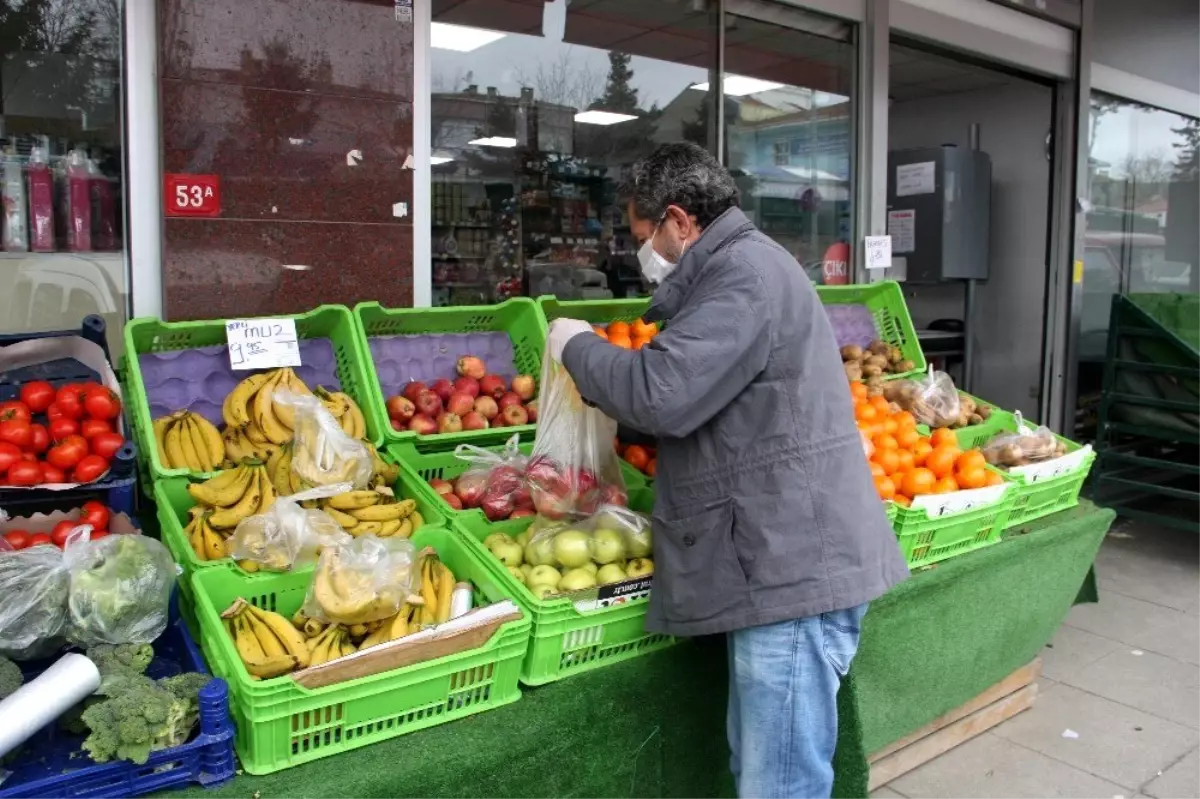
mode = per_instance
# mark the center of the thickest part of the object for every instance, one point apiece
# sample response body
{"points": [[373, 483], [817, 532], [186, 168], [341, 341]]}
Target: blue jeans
{"points": [[783, 684]]}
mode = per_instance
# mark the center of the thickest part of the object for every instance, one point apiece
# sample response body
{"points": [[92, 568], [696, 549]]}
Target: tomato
{"points": [[37, 395], [39, 539], [9, 454], [90, 428], [101, 403], [17, 432], [53, 474], [58, 536], [61, 428], [69, 400], [41, 438], [14, 409], [17, 539], [97, 535], [96, 514], [90, 468], [25, 473], [68, 453], [54, 412], [106, 444]]}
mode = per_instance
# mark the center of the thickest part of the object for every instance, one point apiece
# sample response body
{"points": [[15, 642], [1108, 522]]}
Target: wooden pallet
{"points": [[1002, 701]]}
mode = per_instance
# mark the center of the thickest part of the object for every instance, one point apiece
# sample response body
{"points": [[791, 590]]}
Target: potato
{"points": [[876, 381], [878, 347], [974, 419], [853, 371], [876, 360], [872, 370], [984, 411], [875, 391], [895, 355], [852, 352], [905, 366]]}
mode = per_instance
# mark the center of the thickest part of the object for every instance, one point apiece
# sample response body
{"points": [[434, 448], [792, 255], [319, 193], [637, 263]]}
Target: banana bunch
{"points": [[187, 440], [345, 410], [373, 512], [233, 495], [350, 595], [268, 644], [251, 409], [431, 607], [206, 542], [332, 643]]}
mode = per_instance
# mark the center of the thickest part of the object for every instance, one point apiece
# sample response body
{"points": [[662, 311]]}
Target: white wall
{"points": [[1014, 120]]}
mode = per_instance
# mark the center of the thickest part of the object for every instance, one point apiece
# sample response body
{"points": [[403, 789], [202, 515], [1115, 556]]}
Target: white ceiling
{"points": [[916, 74]]}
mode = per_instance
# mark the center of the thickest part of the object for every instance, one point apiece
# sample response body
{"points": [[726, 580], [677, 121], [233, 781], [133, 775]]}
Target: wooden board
{"points": [[1002, 701]]}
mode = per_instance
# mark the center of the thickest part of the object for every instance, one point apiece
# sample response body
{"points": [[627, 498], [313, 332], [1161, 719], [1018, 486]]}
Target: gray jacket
{"points": [[765, 508]]}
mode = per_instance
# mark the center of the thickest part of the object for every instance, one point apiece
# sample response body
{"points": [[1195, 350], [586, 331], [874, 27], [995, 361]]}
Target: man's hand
{"points": [[562, 331]]}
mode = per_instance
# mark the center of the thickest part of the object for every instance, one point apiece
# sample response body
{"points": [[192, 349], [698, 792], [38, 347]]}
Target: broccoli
{"points": [[140, 715], [10, 677], [121, 658]]}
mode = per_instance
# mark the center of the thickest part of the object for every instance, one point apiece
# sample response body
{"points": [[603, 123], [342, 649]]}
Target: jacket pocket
{"points": [[700, 575]]}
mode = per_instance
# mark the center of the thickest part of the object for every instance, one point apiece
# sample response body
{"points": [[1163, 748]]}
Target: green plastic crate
{"points": [[596, 312], [147, 335], [925, 540], [885, 301], [172, 502], [281, 724], [518, 317]]}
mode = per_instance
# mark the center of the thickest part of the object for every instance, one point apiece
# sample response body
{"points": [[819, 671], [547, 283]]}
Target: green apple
{"points": [[545, 575], [542, 590], [607, 546], [571, 548], [577, 580], [508, 552], [610, 573], [640, 567], [540, 551], [523, 537], [517, 574], [496, 538]]}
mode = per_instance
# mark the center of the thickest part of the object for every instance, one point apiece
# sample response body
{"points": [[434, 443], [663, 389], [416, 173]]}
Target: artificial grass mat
{"points": [[655, 726]]}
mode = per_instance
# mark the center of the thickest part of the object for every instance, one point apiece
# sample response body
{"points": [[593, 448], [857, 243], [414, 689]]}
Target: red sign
{"points": [[835, 269], [192, 195]]}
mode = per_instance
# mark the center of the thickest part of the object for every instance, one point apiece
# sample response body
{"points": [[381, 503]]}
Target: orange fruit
{"points": [[994, 478], [885, 487], [640, 342], [903, 501], [907, 437], [889, 459], [921, 451], [865, 412], [652, 467], [885, 441], [972, 477], [905, 419], [620, 341], [917, 482], [970, 459], [876, 469], [880, 403], [619, 329], [941, 437], [945, 485], [642, 329], [890, 426], [907, 461], [941, 461], [637, 457], [858, 390], [601, 332]]}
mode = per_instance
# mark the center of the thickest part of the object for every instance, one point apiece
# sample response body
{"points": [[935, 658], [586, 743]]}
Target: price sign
{"points": [[1048, 470], [959, 501], [879, 252], [262, 343], [192, 195]]}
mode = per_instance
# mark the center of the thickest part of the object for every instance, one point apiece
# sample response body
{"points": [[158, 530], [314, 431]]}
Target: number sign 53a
{"points": [[192, 195]]}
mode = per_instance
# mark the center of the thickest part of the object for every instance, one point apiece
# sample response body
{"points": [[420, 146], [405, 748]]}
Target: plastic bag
{"points": [[495, 482], [612, 545], [287, 535], [119, 588], [1026, 446], [322, 453], [932, 399], [33, 613], [574, 468], [364, 580]]}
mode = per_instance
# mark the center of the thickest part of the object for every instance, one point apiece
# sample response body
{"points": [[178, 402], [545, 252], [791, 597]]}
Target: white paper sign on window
{"points": [[915, 179], [879, 252], [262, 343], [902, 227]]}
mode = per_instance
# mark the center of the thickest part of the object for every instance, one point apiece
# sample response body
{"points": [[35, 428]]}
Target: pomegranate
{"points": [[441, 486], [422, 425], [474, 420], [531, 408], [492, 386], [487, 407], [467, 385], [401, 408], [471, 366], [507, 399], [411, 390], [443, 388], [460, 404], [428, 403], [514, 415], [470, 488], [524, 387], [450, 423]]}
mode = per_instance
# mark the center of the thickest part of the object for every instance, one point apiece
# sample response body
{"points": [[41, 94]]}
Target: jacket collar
{"points": [[669, 296]]}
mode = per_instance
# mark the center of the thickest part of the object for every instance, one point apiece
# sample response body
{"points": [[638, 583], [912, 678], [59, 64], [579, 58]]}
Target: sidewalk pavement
{"points": [[1118, 709]]}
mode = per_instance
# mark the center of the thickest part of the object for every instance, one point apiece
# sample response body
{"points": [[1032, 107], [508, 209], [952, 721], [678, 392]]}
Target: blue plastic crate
{"points": [[52, 763], [119, 488]]}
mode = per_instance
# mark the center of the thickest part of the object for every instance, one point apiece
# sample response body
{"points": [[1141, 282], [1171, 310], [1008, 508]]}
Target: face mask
{"points": [[655, 267]]}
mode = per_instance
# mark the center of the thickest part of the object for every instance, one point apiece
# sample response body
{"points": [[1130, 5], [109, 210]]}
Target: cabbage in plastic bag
{"points": [[33, 609], [119, 588], [363, 580], [287, 535], [322, 453]]}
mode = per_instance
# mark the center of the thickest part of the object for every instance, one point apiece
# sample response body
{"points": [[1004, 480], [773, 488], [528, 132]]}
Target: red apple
{"points": [[467, 385], [422, 425], [531, 408], [401, 408], [453, 501], [474, 420], [471, 366], [496, 508], [411, 391], [487, 407], [441, 486], [514, 415], [493, 386], [470, 488], [450, 423], [507, 399], [460, 404], [521, 513], [524, 387], [443, 388], [398, 425], [428, 403]]}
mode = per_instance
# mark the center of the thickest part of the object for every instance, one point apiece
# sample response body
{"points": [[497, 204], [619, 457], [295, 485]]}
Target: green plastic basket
{"points": [[885, 301], [518, 317], [925, 540], [172, 502], [147, 335], [281, 724], [597, 312]]}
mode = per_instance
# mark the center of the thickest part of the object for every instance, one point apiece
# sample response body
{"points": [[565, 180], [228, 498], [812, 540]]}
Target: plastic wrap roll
{"points": [[460, 600], [42, 700]]}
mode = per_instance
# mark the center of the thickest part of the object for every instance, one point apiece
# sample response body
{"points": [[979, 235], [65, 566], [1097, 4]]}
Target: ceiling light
{"points": [[602, 117], [460, 38], [494, 141], [438, 160], [739, 85]]}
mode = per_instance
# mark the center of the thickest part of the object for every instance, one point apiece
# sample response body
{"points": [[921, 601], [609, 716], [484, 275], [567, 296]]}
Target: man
{"points": [[766, 524]]}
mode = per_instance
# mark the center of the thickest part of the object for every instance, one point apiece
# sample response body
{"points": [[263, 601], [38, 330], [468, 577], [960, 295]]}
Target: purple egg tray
{"points": [[399, 360], [199, 379], [852, 324]]}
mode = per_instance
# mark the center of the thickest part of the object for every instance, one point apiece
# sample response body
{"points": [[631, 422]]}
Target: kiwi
{"points": [[852, 352]]}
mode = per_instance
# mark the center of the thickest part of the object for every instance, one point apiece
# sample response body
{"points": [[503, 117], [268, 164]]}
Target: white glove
{"points": [[562, 331]]}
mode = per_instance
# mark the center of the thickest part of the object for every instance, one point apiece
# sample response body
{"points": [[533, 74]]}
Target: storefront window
{"points": [[62, 232]]}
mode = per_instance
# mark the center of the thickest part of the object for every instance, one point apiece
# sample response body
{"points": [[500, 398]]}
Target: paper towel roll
{"points": [[43, 700]]}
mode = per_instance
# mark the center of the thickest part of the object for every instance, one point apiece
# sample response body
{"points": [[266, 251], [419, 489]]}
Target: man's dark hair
{"points": [[681, 174]]}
